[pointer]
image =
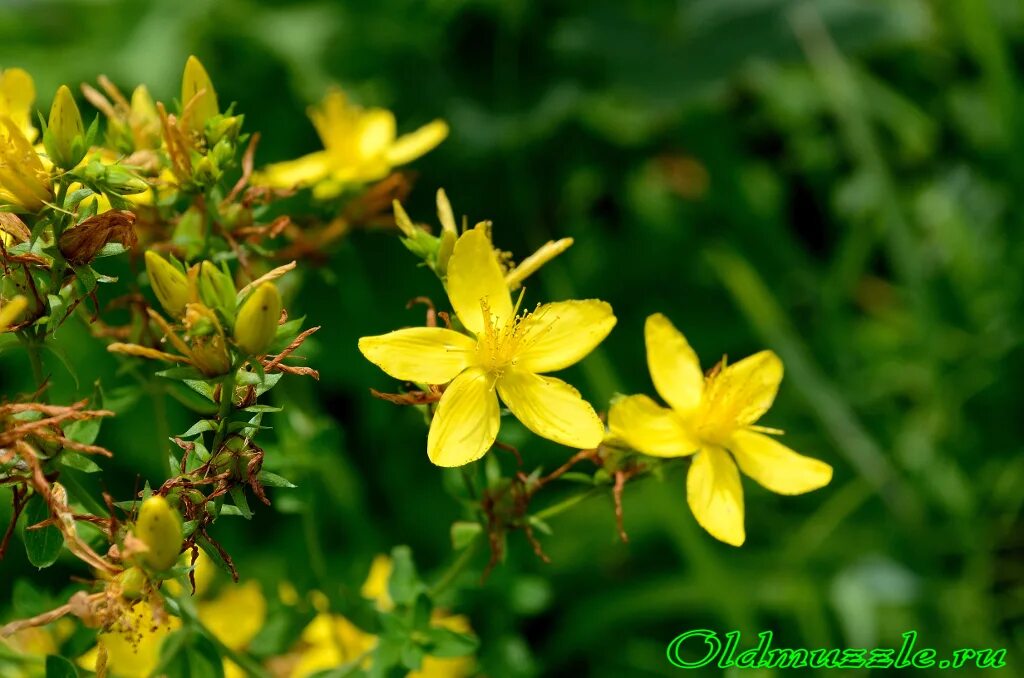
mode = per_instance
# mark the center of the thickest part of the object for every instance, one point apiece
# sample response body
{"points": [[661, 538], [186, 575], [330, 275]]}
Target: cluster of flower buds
{"points": [[217, 319]]}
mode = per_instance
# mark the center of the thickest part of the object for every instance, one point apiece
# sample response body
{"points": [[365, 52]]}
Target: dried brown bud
{"points": [[81, 244]]}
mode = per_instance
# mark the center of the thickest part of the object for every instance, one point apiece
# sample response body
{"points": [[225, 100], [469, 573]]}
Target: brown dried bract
{"points": [[81, 244]]}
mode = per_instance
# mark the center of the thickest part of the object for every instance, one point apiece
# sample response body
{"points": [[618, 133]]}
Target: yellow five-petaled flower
{"points": [[714, 419], [504, 355], [360, 145]]}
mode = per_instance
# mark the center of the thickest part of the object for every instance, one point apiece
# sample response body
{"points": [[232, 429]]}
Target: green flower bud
{"points": [[65, 135], [197, 109], [159, 528], [169, 284], [217, 289], [206, 171], [257, 319], [224, 128], [190, 233], [132, 582]]}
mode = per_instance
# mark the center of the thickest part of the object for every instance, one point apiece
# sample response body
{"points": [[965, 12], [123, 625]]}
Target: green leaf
{"points": [[58, 312], [111, 249], [273, 480], [188, 654], [463, 533], [58, 351], [86, 276], [201, 426], [78, 461], [444, 642], [181, 373], [59, 667], [404, 584], [238, 496], [262, 408], [42, 545], [421, 612], [214, 554]]}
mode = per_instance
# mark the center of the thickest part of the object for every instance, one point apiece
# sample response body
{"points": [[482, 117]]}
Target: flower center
{"points": [[501, 341]]}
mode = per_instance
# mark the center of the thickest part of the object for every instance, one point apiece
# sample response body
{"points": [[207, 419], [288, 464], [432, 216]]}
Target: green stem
{"points": [[567, 503], [247, 663], [455, 569], [317, 560], [32, 346], [227, 394]]}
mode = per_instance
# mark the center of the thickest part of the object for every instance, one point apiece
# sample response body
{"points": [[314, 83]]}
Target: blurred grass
{"points": [[835, 180]]}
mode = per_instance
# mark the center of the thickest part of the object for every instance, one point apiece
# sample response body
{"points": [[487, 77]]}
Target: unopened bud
{"points": [[144, 120], [198, 98], [216, 288], [256, 324], [132, 581], [159, 528], [169, 284], [65, 136]]}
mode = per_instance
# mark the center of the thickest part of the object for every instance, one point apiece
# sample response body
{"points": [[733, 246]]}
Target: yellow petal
{"points": [[236, 615], [551, 408], [410, 146], [17, 94], [429, 355], [376, 132], [777, 467], [715, 496], [475, 281], [466, 422], [558, 335], [299, 172], [674, 366], [744, 391], [649, 428], [334, 120]]}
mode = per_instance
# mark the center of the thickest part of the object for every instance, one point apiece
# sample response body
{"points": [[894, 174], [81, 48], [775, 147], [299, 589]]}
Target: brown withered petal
{"points": [[12, 225], [81, 244]]}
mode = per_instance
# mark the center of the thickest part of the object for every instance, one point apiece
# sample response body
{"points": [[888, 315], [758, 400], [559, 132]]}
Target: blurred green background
{"points": [[835, 180]]}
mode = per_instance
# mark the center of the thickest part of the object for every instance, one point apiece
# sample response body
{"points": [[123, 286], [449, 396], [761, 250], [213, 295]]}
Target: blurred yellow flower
{"points": [[360, 145], [17, 94], [132, 651], [446, 667], [24, 180], [330, 641], [234, 616], [11, 310], [505, 357], [714, 418], [375, 587]]}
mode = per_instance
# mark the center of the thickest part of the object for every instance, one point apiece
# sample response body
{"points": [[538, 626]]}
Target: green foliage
{"points": [[834, 180]]}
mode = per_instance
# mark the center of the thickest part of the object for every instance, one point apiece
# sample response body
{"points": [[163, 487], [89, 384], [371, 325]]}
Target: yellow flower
{"points": [[505, 357], [375, 587], [17, 94], [133, 649], [10, 311], [24, 181], [714, 418], [331, 640], [236, 615], [360, 145]]}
